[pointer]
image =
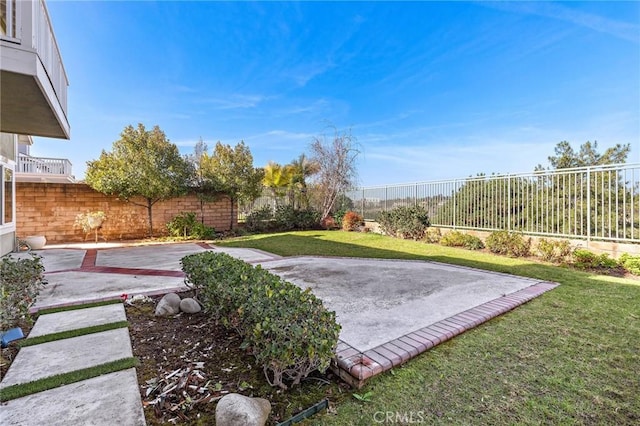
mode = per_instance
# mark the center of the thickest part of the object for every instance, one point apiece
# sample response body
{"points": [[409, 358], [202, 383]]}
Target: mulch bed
{"points": [[188, 362]]}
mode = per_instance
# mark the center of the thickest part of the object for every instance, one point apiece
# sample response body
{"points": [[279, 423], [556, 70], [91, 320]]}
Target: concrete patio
{"points": [[390, 311]]}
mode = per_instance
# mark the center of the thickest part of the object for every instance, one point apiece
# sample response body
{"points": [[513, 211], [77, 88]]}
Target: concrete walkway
{"points": [[390, 311]]}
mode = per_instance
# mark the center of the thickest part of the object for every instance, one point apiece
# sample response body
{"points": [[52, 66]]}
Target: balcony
{"points": [[40, 169], [33, 81]]}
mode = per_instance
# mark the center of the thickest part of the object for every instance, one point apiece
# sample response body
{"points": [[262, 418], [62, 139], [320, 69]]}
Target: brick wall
{"points": [[50, 209]]}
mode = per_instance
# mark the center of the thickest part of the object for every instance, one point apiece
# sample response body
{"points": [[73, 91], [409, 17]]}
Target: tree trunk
{"points": [[231, 200], [150, 214]]}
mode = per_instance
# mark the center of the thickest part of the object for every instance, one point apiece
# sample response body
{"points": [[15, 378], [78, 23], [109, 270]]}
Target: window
{"points": [[8, 194], [8, 144], [8, 18]]}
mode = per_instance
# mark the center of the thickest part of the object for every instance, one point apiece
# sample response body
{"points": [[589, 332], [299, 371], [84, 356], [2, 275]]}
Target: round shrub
{"points": [[351, 221], [509, 243], [554, 251], [260, 220], [408, 222], [459, 239]]}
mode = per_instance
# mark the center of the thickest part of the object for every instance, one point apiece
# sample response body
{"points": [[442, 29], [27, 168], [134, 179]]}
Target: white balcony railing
{"points": [[44, 41], [29, 48], [58, 167]]}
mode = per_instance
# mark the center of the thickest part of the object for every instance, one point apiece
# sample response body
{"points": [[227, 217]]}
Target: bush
{"points": [[509, 243], [260, 220], [432, 235], [287, 218], [408, 222], [554, 251], [288, 330], [21, 280], [186, 225], [585, 259], [284, 218], [630, 263], [458, 239], [352, 221], [339, 215]]}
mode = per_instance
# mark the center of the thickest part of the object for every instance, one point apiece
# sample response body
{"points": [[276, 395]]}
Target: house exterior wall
{"points": [[50, 209]]}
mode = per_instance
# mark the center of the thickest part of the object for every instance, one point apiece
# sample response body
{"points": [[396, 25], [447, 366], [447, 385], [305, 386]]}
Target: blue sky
{"points": [[431, 90]]}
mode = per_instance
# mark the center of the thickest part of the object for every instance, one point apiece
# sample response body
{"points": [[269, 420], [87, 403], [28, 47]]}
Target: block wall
{"points": [[50, 209]]}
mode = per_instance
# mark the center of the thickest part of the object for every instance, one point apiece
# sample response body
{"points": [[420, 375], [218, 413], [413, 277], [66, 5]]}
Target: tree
{"points": [[230, 171], [302, 168], [336, 160], [277, 178], [142, 163], [588, 155], [201, 184]]}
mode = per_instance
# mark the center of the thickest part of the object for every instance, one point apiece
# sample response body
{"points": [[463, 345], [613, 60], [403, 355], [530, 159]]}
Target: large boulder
{"points": [[168, 305], [239, 410], [190, 305]]}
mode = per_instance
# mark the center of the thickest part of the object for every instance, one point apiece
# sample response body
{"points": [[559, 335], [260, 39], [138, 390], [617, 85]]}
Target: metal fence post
{"points": [[455, 205], [588, 205], [386, 197], [508, 202]]}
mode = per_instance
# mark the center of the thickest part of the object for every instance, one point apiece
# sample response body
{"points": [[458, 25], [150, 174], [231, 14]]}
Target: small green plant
{"points": [[508, 243], [91, 221], [630, 263], [433, 235], [408, 222], [339, 215], [22, 280], [363, 397], [352, 221], [459, 239], [186, 225], [554, 251], [585, 259]]}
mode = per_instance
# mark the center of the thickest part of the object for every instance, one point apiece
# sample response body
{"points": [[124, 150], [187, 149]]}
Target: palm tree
{"points": [[277, 178], [301, 169]]}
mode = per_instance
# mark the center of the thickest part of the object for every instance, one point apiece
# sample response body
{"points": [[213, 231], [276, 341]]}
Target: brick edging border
{"points": [[357, 367]]}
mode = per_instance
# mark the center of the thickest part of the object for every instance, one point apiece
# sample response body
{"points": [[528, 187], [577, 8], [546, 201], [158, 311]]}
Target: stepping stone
{"points": [[106, 400], [66, 355], [79, 318]]}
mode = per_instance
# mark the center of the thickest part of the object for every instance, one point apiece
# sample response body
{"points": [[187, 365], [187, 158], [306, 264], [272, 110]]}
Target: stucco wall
{"points": [[50, 209]]}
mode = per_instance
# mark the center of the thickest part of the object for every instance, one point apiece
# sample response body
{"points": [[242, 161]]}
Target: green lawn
{"points": [[571, 356]]}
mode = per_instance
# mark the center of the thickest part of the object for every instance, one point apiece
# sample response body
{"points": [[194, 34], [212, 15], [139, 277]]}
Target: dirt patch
{"points": [[8, 354], [204, 362]]}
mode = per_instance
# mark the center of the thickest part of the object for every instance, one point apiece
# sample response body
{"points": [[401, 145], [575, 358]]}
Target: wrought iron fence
{"points": [[599, 202]]}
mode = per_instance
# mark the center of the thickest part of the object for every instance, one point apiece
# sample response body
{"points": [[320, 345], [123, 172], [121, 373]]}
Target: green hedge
{"points": [[408, 222], [21, 281], [288, 330]]}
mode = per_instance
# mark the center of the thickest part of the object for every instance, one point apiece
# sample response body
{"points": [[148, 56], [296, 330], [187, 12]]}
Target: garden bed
{"points": [[209, 359]]}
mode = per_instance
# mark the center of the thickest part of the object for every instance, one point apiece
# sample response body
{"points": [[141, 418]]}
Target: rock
{"points": [[239, 410], [190, 306], [168, 305]]}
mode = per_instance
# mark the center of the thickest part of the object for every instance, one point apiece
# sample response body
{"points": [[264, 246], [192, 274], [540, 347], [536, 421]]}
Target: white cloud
{"points": [[623, 30]]}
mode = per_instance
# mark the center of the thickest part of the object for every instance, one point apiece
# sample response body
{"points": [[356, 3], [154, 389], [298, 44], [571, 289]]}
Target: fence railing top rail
{"points": [[536, 173]]}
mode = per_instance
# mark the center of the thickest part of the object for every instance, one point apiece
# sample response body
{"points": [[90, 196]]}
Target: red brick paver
{"points": [[356, 367]]}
